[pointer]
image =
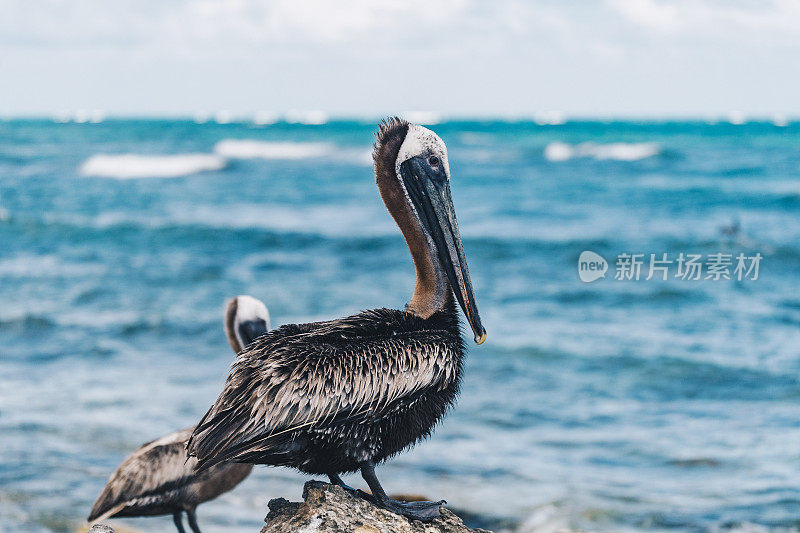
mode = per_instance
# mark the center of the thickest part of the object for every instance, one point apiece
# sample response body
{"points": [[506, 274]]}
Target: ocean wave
{"points": [[81, 116], [361, 220], [265, 118], [29, 266], [251, 149], [27, 323], [550, 118], [620, 151], [128, 166], [546, 519], [313, 220], [293, 151], [769, 186]]}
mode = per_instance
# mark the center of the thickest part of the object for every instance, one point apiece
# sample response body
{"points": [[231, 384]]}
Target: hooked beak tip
{"points": [[480, 340]]}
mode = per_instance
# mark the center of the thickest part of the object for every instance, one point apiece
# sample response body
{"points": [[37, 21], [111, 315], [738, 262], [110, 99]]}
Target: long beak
{"points": [[249, 330], [431, 197]]}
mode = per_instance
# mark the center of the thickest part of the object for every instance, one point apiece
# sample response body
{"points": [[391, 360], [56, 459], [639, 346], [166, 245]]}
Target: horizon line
{"points": [[261, 118]]}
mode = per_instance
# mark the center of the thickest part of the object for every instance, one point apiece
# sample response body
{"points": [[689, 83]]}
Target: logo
{"points": [[591, 266]]}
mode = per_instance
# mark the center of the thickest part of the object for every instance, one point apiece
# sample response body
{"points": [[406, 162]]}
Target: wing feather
{"points": [[158, 464], [314, 374]]}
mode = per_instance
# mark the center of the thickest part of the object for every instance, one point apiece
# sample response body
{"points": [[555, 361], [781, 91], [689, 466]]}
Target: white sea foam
{"points": [[62, 117], [559, 151], [265, 118], [545, 519], [250, 149], [550, 118], [780, 120], [81, 116], [362, 220], [737, 118], [623, 151], [253, 149], [33, 265], [201, 117], [127, 166], [223, 117], [97, 116]]}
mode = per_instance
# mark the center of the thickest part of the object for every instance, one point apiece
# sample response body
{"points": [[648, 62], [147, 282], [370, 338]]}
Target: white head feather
{"points": [[423, 142], [249, 309]]}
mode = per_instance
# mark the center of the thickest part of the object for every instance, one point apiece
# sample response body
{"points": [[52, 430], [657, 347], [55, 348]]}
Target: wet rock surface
{"points": [[330, 509]]}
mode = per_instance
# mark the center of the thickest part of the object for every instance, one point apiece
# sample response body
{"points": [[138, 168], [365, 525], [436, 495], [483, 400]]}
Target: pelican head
{"points": [[413, 176], [246, 319]]}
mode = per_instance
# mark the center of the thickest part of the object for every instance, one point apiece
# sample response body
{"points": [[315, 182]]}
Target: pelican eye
{"points": [[433, 160]]}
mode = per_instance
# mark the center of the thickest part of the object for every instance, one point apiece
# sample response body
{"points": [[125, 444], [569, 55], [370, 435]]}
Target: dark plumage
{"points": [[326, 396], [159, 478], [338, 396]]}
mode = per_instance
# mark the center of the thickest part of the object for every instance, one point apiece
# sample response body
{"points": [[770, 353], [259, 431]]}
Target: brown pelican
{"points": [[246, 319], [159, 478], [339, 396]]}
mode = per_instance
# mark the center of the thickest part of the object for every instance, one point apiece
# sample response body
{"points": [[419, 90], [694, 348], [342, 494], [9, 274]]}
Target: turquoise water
{"points": [[613, 405]]}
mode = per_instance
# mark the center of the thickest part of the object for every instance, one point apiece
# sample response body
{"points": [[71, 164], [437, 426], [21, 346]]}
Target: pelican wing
{"points": [[313, 374], [153, 470]]}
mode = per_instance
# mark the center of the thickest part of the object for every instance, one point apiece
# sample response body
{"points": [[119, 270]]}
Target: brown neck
{"points": [[230, 319], [432, 290]]}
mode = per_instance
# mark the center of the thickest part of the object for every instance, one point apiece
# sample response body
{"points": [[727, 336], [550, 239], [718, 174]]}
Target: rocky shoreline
{"points": [[330, 509]]}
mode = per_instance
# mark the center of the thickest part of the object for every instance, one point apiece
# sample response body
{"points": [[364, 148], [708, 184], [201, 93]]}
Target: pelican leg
{"points": [[336, 480], [178, 519], [425, 511], [192, 521]]}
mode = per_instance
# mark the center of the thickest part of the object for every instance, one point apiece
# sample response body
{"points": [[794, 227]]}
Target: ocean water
{"points": [[638, 405]]}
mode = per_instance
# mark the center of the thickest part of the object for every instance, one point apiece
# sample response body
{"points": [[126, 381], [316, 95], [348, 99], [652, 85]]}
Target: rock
{"points": [[331, 509], [101, 528]]}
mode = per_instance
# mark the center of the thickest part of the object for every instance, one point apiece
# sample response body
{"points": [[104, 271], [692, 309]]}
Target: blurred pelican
{"points": [[158, 478]]}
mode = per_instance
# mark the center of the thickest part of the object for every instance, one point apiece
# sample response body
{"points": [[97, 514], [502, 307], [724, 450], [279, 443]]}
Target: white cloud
{"points": [[766, 20], [661, 16], [585, 55], [59, 22], [420, 23], [283, 21]]}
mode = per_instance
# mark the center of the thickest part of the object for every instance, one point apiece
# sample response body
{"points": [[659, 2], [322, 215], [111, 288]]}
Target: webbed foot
{"points": [[424, 511]]}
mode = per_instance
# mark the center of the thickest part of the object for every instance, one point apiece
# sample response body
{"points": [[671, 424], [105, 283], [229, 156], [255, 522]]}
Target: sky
{"points": [[648, 58]]}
